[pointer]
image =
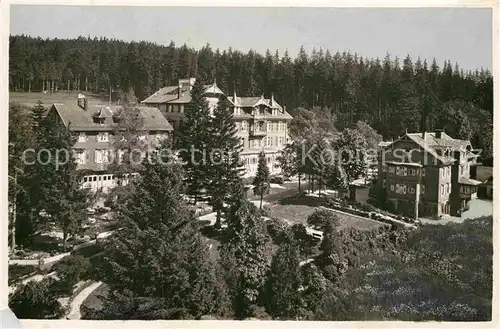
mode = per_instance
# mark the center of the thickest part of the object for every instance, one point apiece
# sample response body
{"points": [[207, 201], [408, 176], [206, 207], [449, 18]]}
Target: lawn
{"points": [[298, 213]]}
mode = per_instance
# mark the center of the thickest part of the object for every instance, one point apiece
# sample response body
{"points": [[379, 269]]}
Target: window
{"points": [[275, 126], [94, 178], [442, 172], [422, 189], [423, 172], [268, 141], [80, 156], [461, 170], [384, 183], [442, 189], [405, 171], [400, 188], [398, 171], [392, 187], [412, 190], [448, 188], [243, 125], [82, 138], [103, 137], [384, 168]]}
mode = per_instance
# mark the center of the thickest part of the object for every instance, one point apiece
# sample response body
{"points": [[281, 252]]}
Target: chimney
{"points": [[272, 99], [179, 92], [85, 104], [439, 133], [455, 202]]}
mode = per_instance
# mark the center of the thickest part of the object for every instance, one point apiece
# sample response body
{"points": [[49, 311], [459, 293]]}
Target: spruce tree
{"points": [[64, 201], [159, 254], [193, 140], [225, 168], [245, 254], [283, 297], [261, 181]]}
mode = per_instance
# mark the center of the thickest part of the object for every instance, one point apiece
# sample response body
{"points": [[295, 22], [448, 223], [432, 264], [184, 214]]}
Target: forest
{"points": [[392, 95]]}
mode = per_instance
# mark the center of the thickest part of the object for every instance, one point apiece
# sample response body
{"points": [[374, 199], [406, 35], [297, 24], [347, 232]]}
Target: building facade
{"points": [[95, 128], [262, 124], [426, 174]]}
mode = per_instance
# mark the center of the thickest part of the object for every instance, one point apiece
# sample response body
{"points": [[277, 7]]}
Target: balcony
{"points": [[255, 132]]}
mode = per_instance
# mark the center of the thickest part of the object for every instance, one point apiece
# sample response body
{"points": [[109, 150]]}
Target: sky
{"points": [[462, 35]]}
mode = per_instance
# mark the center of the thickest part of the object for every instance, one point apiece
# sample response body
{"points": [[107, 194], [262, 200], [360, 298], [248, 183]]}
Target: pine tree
{"points": [[225, 169], [283, 297], [159, 253], [64, 201], [245, 253], [261, 181], [193, 141]]}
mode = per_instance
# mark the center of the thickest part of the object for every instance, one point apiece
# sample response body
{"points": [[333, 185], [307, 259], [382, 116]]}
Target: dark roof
{"points": [[81, 120]]}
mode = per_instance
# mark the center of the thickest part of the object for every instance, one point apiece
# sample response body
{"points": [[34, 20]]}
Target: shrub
{"points": [[276, 180], [70, 270], [320, 217], [36, 300], [108, 203], [265, 211]]}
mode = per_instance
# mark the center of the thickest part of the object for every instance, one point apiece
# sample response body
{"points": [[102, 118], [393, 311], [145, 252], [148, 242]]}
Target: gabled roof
{"points": [[431, 143], [213, 89], [163, 95], [80, 120]]}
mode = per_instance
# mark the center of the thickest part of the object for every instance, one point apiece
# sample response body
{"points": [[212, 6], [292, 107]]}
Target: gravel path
{"points": [[74, 313]]}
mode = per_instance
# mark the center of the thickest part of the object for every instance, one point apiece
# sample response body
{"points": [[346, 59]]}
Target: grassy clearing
{"points": [[298, 214], [30, 99]]}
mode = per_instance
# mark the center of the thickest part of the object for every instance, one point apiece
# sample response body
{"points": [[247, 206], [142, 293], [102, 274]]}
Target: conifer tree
{"points": [[159, 255], [245, 253], [193, 141], [283, 297], [225, 169], [64, 201], [261, 181]]}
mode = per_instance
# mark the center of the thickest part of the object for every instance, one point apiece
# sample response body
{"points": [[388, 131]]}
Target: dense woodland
{"points": [[389, 94]]}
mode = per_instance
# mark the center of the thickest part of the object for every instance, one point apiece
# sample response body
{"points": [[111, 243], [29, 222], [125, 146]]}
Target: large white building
{"points": [[262, 123]]}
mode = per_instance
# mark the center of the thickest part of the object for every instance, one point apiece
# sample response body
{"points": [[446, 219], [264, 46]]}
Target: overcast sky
{"points": [[460, 34]]}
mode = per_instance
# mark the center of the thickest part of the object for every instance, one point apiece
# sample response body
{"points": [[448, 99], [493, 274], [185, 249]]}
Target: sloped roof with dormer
{"points": [[79, 119], [430, 143], [163, 95]]}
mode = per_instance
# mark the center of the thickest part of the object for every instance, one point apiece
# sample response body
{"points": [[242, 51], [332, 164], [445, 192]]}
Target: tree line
{"points": [[389, 94]]}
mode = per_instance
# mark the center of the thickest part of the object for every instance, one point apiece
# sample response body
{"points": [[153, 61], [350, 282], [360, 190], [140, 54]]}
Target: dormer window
{"points": [[99, 121]]}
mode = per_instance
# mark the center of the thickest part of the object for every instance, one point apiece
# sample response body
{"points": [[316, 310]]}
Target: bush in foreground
{"points": [[36, 300]]}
